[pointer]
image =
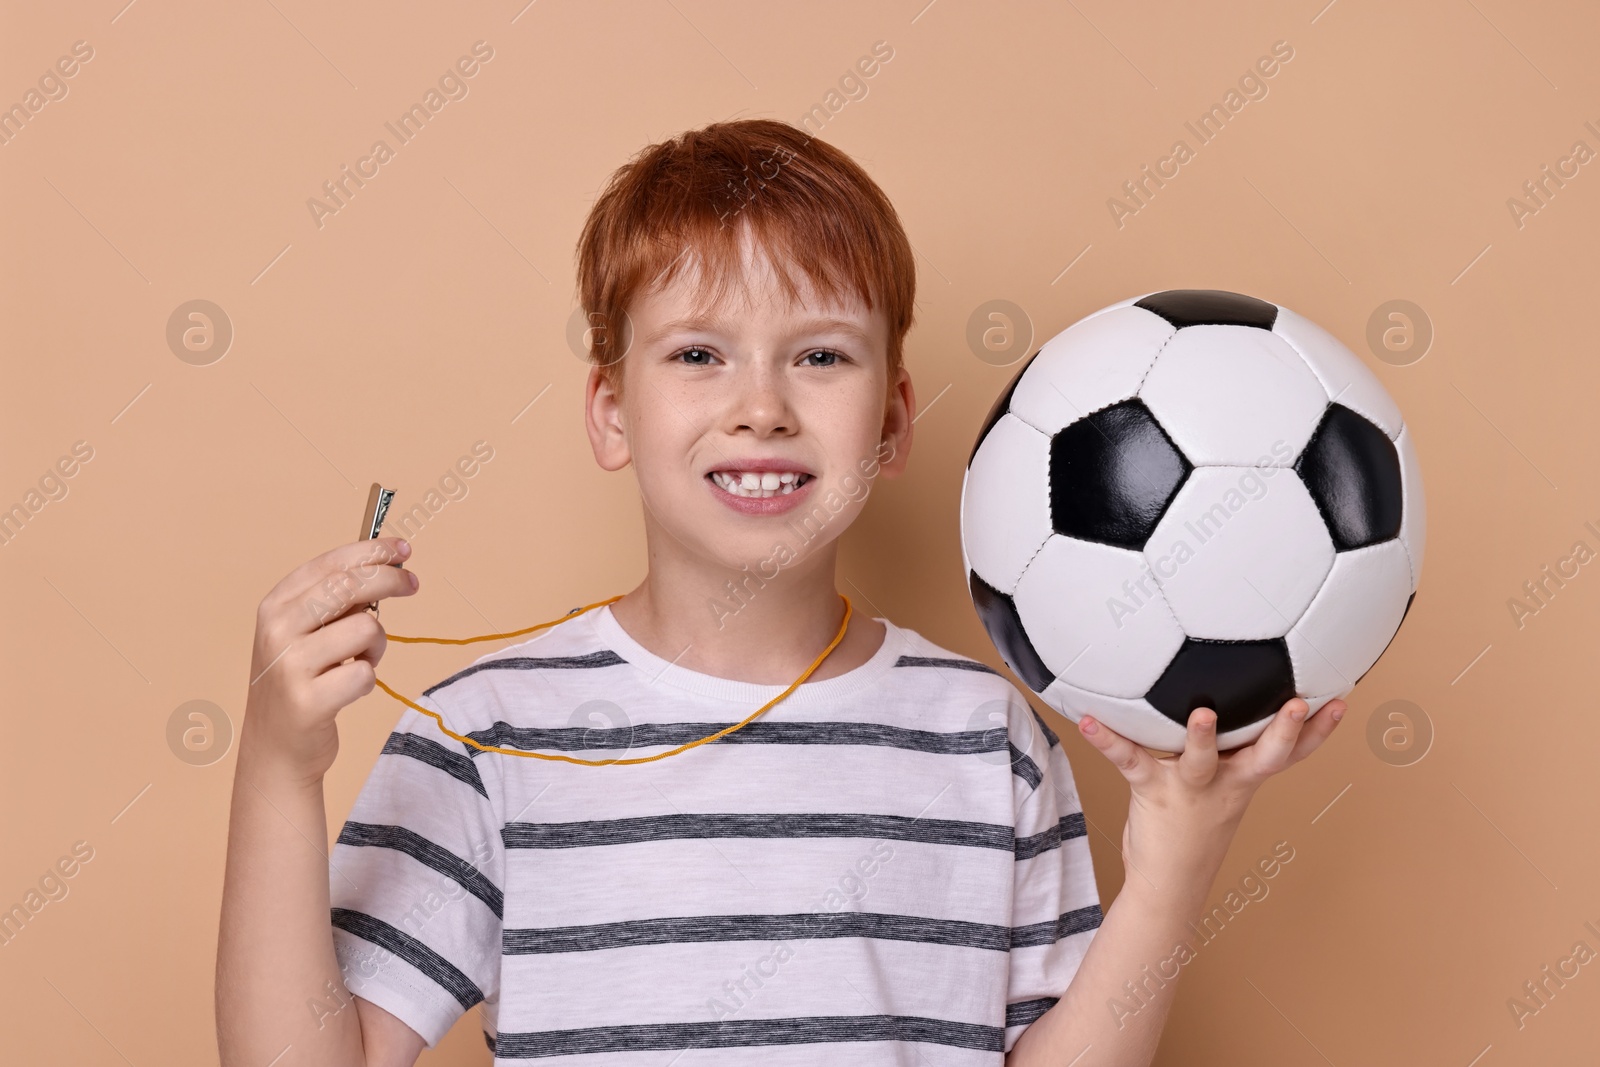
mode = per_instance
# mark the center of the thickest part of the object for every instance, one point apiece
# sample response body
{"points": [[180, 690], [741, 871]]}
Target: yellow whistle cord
{"points": [[590, 762]]}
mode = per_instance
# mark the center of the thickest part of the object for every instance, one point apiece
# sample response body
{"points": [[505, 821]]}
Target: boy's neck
{"points": [[767, 635]]}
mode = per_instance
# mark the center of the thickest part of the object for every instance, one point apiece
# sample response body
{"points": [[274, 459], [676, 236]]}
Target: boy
{"points": [[866, 872]]}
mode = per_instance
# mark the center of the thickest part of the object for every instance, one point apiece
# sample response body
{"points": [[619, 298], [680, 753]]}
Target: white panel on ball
{"points": [[1134, 719], [1095, 362], [1414, 506], [1067, 603], [1233, 395], [1347, 380], [1355, 613], [1240, 567], [1004, 516]]}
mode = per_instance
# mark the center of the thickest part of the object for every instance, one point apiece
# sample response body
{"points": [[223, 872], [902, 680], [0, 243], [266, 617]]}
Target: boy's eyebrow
{"points": [[819, 325], [690, 325], [844, 326]]}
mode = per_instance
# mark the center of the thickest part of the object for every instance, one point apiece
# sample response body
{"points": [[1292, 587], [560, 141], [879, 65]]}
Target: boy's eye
{"points": [[696, 357], [830, 357]]}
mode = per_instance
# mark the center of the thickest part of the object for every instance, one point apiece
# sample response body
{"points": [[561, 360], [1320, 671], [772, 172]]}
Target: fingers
{"points": [[1317, 729], [1198, 761], [343, 581], [1136, 765], [309, 574], [1271, 751], [357, 634], [350, 564], [345, 684], [348, 593]]}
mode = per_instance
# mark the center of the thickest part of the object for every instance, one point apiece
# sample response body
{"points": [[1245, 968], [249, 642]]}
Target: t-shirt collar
{"points": [[658, 671]]}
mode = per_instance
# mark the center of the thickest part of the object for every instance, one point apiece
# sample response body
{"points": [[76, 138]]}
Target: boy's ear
{"points": [[603, 420], [895, 450]]}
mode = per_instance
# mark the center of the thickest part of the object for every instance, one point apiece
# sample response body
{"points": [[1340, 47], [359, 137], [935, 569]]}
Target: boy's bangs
{"points": [[713, 254]]}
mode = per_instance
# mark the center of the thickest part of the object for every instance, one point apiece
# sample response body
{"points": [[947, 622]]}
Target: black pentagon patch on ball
{"points": [[1242, 681], [999, 614], [1112, 475], [1002, 404], [1210, 307], [1353, 472]]}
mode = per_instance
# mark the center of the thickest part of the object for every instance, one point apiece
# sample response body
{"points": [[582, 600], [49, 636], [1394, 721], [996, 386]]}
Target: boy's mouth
{"points": [[757, 485]]}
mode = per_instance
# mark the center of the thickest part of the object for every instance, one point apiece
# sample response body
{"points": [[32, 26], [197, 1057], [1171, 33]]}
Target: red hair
{"points": [[804, 201]]}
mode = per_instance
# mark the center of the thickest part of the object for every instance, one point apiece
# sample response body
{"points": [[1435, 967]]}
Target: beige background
{"points": [[431, 310]]}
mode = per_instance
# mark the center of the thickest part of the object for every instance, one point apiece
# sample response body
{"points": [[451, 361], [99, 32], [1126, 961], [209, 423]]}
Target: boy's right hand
{"points": [[306, 628]]}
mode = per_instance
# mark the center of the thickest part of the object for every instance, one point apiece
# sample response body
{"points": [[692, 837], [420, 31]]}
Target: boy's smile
{"points": [[761, 486]]}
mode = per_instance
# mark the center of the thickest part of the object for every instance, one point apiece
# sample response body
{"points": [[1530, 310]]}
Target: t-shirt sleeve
{"points": [[415, 879], [1055, 905]]}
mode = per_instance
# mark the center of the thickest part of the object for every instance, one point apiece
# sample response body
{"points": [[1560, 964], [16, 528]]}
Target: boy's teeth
{"points": [[759, 483]]}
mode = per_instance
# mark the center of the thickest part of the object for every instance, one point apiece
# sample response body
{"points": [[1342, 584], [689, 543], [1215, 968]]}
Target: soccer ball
{"points": [[1188, 499]]}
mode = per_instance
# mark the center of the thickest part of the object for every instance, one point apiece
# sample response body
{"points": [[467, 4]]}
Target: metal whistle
{"points": [[372, 522]]}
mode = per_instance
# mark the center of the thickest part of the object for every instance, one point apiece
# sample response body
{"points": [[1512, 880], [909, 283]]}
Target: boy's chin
{"points": [[769, 552]]}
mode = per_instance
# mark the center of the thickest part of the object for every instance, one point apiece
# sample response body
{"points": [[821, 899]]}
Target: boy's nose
{"points": [[762, 406]]}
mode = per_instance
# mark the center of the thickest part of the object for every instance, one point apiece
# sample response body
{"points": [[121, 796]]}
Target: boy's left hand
{"points": [[1185, 808]]}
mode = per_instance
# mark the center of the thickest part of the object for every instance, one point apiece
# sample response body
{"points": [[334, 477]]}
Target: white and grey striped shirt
{"points": [[888, 867]]}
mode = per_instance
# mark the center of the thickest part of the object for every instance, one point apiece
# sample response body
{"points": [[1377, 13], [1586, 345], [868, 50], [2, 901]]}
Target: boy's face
{"points": [[761, 424]]}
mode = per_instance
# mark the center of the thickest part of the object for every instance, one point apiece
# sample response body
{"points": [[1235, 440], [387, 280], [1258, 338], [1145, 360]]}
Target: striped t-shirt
{"points": [[887, 867]]}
